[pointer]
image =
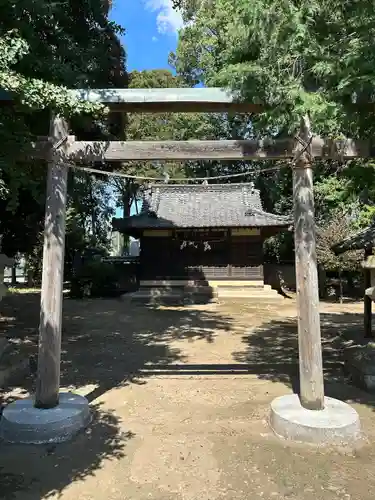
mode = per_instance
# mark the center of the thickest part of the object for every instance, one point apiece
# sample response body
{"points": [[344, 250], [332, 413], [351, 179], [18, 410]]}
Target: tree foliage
{"points": [[47, 48], [333, 231], [294, 57]]}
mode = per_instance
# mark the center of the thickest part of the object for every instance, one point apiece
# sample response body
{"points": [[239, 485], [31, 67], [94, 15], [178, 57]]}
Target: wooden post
{"points": [[309, 339], [48, 380], [367, 312]]}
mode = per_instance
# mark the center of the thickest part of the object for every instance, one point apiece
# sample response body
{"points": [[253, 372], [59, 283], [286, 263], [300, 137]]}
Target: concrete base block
{"points": [[338, 424], [22, 423]]}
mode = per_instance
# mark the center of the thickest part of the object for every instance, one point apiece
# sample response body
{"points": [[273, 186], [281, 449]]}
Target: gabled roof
{"points": [[358, 241], [199, 205]]}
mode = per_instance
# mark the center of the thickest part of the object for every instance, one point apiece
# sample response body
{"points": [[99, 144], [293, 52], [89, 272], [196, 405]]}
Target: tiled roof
{"points": [[357, 241], [199, 205]]}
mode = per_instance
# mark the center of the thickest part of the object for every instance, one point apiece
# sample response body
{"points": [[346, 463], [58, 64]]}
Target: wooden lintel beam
{"points": [[185, 107], [169, 100], [81, 151], [180, 150]]}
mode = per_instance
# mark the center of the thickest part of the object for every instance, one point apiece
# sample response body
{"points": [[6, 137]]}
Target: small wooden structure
{"points": [[201, 234], [362, 240]]}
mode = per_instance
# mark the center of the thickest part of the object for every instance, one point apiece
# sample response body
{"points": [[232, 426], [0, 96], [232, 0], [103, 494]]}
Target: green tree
{"points": [[337, 228], [313, 57], [46, 48]]}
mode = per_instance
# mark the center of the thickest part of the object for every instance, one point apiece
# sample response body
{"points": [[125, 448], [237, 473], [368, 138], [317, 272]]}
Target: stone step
{"points": [[170, 297], [260, 288], [200, 289], [260, 297], [201, 294], [255, 288], [265, 293]]}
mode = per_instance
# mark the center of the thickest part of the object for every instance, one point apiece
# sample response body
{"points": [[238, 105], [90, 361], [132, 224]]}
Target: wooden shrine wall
{"points": [[201, 255]]}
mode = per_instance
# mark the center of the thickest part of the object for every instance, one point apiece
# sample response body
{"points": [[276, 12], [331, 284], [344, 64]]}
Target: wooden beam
{"points": [[203, 150], [188, 100], [309, 338], [48, 380], [195, 100], [180, 150]]}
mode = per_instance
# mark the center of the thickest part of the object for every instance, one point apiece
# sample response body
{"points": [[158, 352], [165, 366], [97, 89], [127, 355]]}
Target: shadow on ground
{"points": [[271, 353], [62, 464], [105, 344]]}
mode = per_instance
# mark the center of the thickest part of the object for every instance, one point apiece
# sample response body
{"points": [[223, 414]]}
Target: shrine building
{"points": [[202, 235]]}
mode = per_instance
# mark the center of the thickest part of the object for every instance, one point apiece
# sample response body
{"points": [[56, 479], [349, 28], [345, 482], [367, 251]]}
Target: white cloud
{"points": [[168, 19], [154, 38]]}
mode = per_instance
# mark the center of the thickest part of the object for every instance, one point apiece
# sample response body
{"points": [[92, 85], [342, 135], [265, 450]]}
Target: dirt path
{"points": [[180, 399]]}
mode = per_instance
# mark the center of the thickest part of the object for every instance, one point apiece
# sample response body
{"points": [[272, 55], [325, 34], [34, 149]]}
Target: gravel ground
{"points": [[180, 398]]}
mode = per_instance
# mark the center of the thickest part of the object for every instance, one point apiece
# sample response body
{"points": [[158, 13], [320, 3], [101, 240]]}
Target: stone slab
{"points": [[359, 376], [169, 297], [337, 424], [201, 294], [362, 356], [360, 365], [261, 295], [22, 423]]}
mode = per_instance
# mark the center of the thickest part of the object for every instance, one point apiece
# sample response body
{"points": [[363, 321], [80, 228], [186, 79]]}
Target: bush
{"points": [[94, 279]]}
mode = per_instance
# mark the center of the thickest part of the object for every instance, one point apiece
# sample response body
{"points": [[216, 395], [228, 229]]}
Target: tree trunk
{"points": [[14, 275], [30, 279], [322, 282], [126, 206], [93, 210], [340, 287]]}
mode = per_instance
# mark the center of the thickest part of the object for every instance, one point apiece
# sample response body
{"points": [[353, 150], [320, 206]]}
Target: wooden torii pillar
{"points": [[49, 357], [309, 336]]}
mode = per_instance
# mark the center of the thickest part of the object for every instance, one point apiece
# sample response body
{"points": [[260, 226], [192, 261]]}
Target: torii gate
{"points": [[301, 150]]}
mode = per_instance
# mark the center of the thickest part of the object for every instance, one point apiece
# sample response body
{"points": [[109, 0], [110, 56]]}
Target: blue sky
{"points": [[151, 31], [151, 34]]}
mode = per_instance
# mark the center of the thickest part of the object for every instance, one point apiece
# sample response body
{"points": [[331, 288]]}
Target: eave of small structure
{"points": [[358, 241]]}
